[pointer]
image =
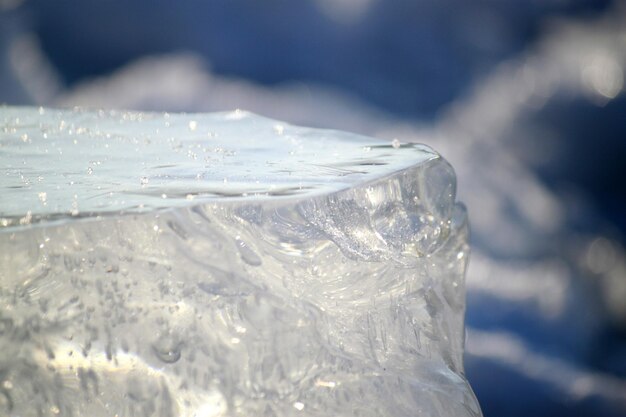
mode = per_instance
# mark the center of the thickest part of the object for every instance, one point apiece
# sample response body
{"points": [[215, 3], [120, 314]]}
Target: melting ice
{"points": [[225, 265]]}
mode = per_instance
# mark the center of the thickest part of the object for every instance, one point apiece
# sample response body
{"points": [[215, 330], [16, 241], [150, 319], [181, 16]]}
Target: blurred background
{"points": [[524, 98]]}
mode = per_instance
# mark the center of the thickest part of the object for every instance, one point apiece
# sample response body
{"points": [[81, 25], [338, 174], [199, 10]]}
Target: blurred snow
{"points": [[182, 82], [547, 278]]}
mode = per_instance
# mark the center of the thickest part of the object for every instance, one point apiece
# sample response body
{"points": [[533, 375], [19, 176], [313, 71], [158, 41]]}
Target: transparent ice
{"points": [[225, 264]]}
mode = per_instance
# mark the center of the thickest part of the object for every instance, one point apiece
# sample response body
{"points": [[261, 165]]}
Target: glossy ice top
{"points": [[63, 163]]}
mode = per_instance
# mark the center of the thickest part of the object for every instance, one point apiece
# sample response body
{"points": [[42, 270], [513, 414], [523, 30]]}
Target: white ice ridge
{"points": [[196, 265]]}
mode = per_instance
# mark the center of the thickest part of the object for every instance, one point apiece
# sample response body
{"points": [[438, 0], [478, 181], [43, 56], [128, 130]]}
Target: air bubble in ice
{"points": [[247, 254], [167, 348]]}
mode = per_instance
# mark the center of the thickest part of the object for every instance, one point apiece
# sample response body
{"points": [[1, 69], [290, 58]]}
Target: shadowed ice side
{"points": [[225, 265]]}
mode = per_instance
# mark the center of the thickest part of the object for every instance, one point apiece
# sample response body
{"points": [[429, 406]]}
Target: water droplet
{"points": [[89, 171], [279, 129], [143, 181], [193, 125], [395, 143], [167, 348], [43, 197]]}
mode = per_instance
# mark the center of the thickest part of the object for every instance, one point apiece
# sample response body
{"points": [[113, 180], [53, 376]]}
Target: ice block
{"points": [[196, 265]]}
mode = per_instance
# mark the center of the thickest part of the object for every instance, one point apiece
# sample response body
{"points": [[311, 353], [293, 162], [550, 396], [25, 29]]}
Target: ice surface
{"points": [[225, 265]]}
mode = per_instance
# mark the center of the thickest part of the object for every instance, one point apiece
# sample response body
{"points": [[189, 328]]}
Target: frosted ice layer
{"points": [[197, 265]]}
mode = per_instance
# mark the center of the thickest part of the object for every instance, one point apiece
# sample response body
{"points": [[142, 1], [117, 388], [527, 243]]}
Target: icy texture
{"points": [[225, 265]]}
